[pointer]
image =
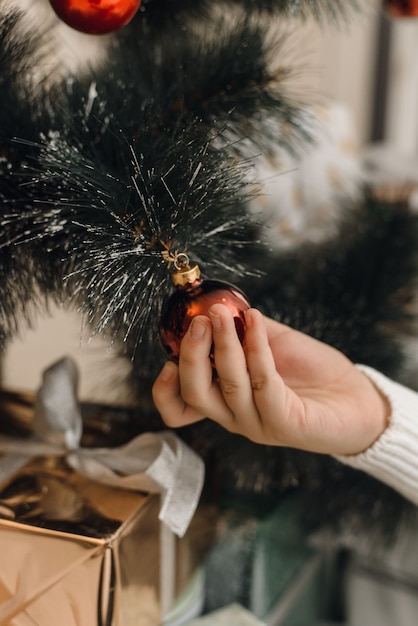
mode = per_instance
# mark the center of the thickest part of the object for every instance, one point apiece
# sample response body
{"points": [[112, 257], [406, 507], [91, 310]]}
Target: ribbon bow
{"points": [[152, 462]]}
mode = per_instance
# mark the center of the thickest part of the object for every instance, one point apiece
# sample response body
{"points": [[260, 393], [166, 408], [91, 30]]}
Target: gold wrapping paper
{"points": [[87, 553], [80, 551]]}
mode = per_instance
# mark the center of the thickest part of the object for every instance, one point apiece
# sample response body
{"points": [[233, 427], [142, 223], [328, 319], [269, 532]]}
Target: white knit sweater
{"points": [[393, 458]]}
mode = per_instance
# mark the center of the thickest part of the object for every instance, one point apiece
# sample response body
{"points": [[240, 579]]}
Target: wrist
{"points": [[376, 414], [393, 458]]}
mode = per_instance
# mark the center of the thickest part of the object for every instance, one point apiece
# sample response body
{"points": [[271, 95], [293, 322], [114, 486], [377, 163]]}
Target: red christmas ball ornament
{"points": [[96, 17], [195, 296], [401, 8]]}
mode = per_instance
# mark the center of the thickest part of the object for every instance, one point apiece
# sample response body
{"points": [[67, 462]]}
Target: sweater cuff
{"points": [[393, 458]]}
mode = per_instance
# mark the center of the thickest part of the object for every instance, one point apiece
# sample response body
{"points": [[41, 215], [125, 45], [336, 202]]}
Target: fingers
{"points": [[231, 366], [198, 388], [168, 400], [260, 361], [247, 396], [187, 393], [275, 402], [193, 393]]}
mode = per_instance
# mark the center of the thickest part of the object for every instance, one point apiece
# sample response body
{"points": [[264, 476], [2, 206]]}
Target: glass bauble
{"points": [[401, 8], [96, 17], [196, 298]]}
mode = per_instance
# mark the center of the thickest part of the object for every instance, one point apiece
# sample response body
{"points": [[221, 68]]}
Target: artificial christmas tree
{"points": [[111, 172]]}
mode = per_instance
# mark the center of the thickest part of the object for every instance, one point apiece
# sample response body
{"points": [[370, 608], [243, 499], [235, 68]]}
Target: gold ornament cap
{"points": [[186, 275]]}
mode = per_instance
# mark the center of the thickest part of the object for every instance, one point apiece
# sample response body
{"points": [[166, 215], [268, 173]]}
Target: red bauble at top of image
{"points": [[401, 8], [96, 17]]}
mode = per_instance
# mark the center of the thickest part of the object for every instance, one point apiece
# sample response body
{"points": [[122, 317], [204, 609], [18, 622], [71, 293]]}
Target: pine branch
{"points": [[100, 232], [164, 12], [237, 80], [21, 112], [355, 291], [142, 155]]}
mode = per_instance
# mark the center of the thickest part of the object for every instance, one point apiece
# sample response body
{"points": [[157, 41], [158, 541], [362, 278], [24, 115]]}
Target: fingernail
{"points": [[216, 320], [249, 318], [197, 328], [167, 372]]}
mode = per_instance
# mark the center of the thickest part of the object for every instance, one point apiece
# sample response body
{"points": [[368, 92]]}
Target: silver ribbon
{"points": [[152, 462]]}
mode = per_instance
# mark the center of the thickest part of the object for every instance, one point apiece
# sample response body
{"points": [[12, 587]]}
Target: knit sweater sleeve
{"points": [[393, 458]]}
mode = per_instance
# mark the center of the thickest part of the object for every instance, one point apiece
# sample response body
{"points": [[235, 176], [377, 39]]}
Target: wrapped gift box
{"points": [[89, 553], [86, 552], [83, 551]]}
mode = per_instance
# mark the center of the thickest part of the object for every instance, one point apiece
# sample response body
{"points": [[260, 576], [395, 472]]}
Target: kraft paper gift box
{"points": [[93, 552]]}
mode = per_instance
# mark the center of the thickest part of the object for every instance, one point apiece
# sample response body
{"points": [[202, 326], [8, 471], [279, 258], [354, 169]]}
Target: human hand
{"points": [[284, 388]]}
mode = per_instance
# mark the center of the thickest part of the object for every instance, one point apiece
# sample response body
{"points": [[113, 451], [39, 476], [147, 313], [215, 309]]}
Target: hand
{"points": [[284, 388]]}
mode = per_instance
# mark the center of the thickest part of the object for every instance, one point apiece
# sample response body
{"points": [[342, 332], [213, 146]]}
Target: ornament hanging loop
{"points": [[185, 273], [181, 261]]}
